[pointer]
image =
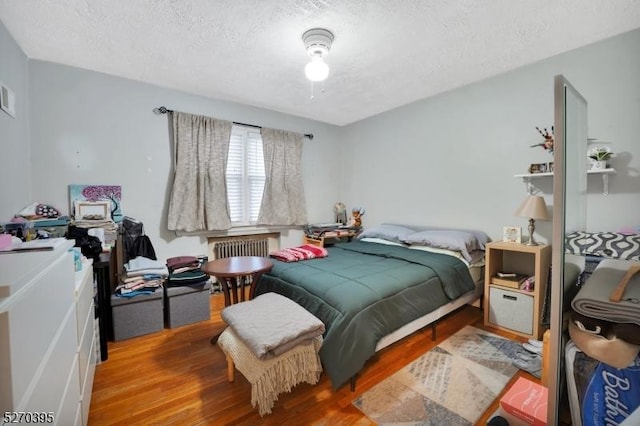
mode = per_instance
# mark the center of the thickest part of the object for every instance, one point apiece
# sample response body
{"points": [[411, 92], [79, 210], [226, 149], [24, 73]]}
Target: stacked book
{"points": [[511, 280]]}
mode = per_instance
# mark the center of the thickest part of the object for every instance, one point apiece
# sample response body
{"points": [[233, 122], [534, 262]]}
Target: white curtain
{"points": [[199, 193], [283, 200]]}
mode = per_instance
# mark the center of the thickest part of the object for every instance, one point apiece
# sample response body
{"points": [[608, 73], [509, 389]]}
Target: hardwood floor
{"points": [[176, 377]]}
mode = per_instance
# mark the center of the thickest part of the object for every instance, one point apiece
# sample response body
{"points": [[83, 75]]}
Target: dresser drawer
{"points": [[511, 309], [84, 298]]}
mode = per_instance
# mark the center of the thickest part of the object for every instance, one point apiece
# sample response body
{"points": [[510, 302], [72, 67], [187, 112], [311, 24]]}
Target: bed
{"points": [[380, 287]]}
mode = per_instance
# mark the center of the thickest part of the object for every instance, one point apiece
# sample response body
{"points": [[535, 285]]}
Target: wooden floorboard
{"points": [[176, 377]]}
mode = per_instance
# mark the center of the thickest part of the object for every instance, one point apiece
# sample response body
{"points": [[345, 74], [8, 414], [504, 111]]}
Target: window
{"points": [[245, 175]]}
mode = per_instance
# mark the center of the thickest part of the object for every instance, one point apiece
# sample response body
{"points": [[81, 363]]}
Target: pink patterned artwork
{"points": [[112, 193]]}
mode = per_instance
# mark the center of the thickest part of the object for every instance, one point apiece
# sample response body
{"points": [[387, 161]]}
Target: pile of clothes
{"points": [[186, 271], [530, 358], [142, 276]]}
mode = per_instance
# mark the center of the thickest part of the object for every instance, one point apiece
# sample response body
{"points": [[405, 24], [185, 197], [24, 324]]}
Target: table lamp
{"points": [[534, 208]]}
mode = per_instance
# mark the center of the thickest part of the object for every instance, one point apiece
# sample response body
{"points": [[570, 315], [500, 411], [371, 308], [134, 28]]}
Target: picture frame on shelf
{"points": [[92, 210], [538, 168], [512, 234], [550, 166]]}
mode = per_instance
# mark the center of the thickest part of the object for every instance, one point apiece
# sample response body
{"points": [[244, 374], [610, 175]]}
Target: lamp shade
{"points": [[317, 69], [533, 207]]}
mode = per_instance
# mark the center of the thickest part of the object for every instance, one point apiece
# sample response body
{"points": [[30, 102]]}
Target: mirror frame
{"points": [[562, 159]]}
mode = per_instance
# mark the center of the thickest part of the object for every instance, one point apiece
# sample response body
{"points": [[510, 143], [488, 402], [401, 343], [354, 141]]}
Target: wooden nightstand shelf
{"points": [[330, 237], [510, 308]]}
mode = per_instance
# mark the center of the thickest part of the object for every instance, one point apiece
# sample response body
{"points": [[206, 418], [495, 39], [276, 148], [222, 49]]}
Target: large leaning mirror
{"points": [[569, 215]]}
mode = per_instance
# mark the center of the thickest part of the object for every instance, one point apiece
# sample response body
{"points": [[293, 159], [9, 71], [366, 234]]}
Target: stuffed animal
{"points": [[356, 217]]}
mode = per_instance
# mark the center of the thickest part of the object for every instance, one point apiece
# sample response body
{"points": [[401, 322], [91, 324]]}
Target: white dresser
{"points": [[47, 359], [85, 314]]}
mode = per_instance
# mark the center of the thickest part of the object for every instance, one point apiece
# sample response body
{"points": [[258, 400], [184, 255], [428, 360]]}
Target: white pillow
{"points": [[477, 256], [381, 241], [394, 233], [451, 239]]}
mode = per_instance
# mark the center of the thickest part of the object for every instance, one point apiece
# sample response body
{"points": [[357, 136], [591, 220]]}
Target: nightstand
{"points": [[505, 305]]}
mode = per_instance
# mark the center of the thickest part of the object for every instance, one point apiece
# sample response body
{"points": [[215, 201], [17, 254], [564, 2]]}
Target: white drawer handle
{"points": [[509, 297]]}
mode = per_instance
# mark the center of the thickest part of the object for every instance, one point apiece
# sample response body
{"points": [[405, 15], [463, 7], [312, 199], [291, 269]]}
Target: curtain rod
{"points": [[164, 110]]}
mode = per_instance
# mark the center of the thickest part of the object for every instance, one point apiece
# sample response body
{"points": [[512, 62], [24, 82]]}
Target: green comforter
{"points": [[363, 291]]}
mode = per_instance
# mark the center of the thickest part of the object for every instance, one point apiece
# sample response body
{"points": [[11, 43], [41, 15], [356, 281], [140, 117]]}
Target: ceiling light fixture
{"points": [[317, 42]]}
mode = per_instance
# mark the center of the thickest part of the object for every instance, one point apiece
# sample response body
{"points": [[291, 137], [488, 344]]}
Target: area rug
{"points": [[452, 384]]}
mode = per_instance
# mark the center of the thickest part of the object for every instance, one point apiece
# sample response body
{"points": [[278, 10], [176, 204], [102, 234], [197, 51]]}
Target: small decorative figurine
{"points": [[356, 217]]}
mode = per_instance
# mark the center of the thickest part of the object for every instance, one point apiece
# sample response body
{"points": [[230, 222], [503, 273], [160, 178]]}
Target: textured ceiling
{"points": [[385, 53]]}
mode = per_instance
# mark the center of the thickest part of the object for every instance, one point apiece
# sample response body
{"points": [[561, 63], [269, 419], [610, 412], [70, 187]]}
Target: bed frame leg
{"points": [[352, 383], [433, 331]]}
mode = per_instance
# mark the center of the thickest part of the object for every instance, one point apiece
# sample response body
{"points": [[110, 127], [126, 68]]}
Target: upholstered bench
{"points": [[274, 343]]}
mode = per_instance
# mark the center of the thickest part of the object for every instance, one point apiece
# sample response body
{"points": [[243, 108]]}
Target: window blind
{"points": [[245, 175]]}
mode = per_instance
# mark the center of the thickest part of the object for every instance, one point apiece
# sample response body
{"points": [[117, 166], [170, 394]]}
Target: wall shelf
{"points": [[528, 177]]}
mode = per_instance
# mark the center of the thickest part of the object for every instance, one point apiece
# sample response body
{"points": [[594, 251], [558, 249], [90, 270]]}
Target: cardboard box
{"points": [[527, 401]]}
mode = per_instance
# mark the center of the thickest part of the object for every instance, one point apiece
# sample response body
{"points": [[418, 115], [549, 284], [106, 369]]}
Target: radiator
{"points": [[254, 245], [258, 246]]}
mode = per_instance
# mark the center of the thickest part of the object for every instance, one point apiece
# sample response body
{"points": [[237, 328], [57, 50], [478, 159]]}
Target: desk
{"points": [[236, 274]]}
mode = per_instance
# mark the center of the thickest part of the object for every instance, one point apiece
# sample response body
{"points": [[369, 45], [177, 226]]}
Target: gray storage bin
{"points": [[187, 305], [511, 309], [136, 316]]}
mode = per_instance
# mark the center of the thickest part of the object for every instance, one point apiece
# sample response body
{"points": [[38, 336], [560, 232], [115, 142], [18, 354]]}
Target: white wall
{"points": [[450, 159], [15, 169], [92, 128]]}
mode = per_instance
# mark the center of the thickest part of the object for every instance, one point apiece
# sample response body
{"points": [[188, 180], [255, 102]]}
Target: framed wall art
{"points": [[111, 193]]}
